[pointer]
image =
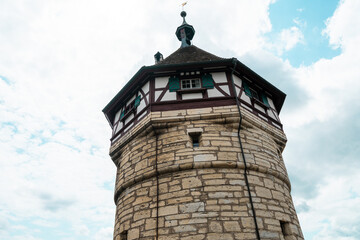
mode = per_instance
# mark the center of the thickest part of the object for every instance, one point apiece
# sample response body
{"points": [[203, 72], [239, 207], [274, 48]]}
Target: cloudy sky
{"points": [[61, 62]]}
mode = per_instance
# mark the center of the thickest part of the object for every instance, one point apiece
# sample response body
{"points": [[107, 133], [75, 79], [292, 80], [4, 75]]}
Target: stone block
{"points": [[192, 207], [168, 210], [232, 226]]}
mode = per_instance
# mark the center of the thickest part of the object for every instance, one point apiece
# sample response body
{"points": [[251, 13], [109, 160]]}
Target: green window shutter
{"points": [[174, 84], [137, 101], [122, 114], [207, 81], [246, 88], [264, 99]]}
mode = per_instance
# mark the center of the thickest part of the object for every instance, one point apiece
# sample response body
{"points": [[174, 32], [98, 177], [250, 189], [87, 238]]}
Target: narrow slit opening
{"points": [[195, 139], [285, 228]]}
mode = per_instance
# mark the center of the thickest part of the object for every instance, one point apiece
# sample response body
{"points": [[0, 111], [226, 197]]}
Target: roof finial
{"points": [[183, 14], [185, 32]]}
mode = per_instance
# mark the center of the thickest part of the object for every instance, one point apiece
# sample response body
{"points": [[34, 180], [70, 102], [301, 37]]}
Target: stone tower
{"points": [[197, 143]]}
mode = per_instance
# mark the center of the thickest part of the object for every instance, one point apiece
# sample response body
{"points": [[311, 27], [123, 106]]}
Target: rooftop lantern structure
{"points": [[185, 32]]}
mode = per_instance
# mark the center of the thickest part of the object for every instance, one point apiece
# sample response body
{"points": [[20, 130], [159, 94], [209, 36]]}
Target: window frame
{"points": [[192, 82]]}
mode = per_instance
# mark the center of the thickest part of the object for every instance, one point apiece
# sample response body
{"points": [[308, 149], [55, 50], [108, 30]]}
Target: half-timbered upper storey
{"points": [[192, 78]]}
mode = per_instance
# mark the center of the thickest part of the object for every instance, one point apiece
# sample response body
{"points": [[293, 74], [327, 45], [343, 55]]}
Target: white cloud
{"points": [[290, 37], [64, 60]]}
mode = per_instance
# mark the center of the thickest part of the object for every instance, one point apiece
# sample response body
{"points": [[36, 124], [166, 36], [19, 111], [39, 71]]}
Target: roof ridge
{"points": [[189, 54]]}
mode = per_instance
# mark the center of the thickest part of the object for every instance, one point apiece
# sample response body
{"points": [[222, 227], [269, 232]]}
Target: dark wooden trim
{"points": [[192, 90], [134, 120], [228, 78], [220, 90], [152, 90], [144, 96], [193, 103], [164, 90]]}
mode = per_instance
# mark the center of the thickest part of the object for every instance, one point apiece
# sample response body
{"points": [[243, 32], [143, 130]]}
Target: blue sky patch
{"points": [[309, 17], [7, 81]]}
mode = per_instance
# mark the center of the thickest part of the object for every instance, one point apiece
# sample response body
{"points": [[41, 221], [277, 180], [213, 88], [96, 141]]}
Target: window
{"points": [[255, 94], [205, 81], [130, 107], [190, 83], [124, 235], [195, 139], [285, 228]]}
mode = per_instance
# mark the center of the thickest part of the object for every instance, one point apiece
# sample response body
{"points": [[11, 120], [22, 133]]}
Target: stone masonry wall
{"points": [[202, 192]]}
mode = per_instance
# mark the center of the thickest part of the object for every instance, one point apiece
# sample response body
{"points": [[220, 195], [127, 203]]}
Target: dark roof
{"points": [[188, 55], [182, 58]]}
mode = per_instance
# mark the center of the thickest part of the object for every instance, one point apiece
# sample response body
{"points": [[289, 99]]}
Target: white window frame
{"points": [[191, 83]]}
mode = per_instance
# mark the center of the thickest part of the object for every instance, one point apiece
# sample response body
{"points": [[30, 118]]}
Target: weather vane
{"points": [[182, 5]]}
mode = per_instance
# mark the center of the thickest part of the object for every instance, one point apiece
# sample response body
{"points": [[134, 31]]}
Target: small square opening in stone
{"points": [[195, 138], [285, 228], [124, 235]]}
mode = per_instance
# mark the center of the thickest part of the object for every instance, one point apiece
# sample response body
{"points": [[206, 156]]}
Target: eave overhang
{"points": [[146, 72]]}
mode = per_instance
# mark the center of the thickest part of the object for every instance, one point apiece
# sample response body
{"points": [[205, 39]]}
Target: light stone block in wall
{"points": [[219, 77], [161, 82], [192, 96]]}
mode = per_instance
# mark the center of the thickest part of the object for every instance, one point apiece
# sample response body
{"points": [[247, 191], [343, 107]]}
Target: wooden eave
{"points": [[147, 72]]}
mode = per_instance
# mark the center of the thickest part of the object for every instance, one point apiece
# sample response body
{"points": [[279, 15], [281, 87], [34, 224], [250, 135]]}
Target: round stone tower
{"points": [[197, 142]]}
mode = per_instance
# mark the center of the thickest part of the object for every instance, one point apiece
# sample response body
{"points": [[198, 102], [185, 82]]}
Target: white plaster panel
{"points": [[192, 96], [142, 115], [271, 103], [161, 82], [219, 77], [244, 106], [261, 116], [271, 114], [214, 93], [169, 96], [131, 99], [245, 98], [276, 115], [237, 80], [117, 116], [141, 105], [115, 128], [145, 87], [225, 88], [237, 90], [276, 125], [260, 108], [130, 126], [114, 140], [131, 116], [157, 94], [118, 127]]}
